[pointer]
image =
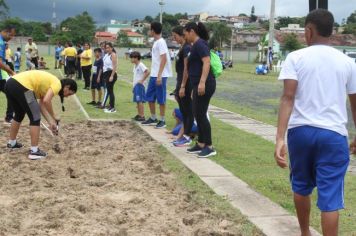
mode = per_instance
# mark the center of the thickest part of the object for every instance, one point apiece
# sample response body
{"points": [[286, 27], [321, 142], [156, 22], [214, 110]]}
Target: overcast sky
{"points": [[104, 10]]}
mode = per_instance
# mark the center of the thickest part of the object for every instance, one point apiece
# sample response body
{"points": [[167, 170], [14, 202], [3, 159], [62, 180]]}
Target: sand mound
{"points": [[99, 179]]}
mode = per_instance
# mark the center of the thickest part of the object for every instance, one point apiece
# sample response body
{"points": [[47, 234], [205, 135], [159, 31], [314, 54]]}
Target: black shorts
{"points": [[71, 67], [23, 101]]}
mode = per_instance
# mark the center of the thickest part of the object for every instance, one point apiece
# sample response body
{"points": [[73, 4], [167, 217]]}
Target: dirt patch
{"points": [[99, 179]]}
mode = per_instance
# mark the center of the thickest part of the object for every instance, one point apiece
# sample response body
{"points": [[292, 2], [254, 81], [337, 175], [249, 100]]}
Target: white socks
{"points": [[12, 142], [34, 148], [153, 117], [163, 118]]}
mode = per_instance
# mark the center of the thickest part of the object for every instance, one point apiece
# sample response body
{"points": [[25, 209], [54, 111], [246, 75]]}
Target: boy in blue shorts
{"points": [[97, 82], [160, 71], [317, 80], [141, 73]]}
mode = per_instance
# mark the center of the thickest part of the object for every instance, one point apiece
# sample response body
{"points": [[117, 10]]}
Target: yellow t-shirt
{"points": [[39, 82], [70, 52], [86, 62], [9, 55]]}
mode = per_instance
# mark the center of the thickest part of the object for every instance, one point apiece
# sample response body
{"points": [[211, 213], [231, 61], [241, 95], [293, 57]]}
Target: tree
{"points": [[4, 9], [38, 34], [291, 43], [148, 19], [253, 17], [220, 34], [352, 18], [78, 29], [242, 14], [123, 40]]}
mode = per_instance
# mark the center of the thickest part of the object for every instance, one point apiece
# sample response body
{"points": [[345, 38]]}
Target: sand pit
{"points": [[99, 179]]}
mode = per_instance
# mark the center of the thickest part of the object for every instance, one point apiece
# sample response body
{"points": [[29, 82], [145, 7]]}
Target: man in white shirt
{"points": [[317, 80], [34, 53], [160, 71]]}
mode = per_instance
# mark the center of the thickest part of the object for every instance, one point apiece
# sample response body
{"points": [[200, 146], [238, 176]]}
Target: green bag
{"points": [[215, 64]]}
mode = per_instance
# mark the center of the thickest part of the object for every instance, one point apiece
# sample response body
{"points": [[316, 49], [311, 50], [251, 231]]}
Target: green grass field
{"points": [[247, 156]]}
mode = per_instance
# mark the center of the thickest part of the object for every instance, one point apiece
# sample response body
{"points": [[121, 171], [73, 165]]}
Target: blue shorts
{"points": [[95, 84], [319, 158], [157, 93], [139, 93]]}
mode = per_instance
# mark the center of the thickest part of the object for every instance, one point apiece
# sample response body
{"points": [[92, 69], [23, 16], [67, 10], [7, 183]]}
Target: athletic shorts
{"points": [[23, 101], [319, 158], [95, 84], [139, 93], [157, 92]]}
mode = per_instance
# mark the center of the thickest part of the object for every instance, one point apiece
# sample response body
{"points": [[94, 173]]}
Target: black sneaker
{"points": [[91, 103], [195, 149], [161, 124], [98, 104], [16, 146], [207, 152], [136, 117], [37, 155], [141, 119], [150, 121]]}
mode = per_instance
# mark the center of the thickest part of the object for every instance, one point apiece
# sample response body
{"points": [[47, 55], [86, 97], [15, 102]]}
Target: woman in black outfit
{"points": [[183, 87], [203, 85]]}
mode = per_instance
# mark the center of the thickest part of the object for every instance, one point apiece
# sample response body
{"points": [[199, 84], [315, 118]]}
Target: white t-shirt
{"points": [[325, 76], [159, 48], [139, 71]]}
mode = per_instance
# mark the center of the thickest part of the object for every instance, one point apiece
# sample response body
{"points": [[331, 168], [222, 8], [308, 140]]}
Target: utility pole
{"points": [[271, 23], [316, 4], [161, 3], [54, 16]]}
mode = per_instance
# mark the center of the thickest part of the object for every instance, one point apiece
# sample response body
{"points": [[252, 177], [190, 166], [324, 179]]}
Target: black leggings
{"points": [[110, 87], [185, 106], [34, 60], [23, 101], [200, 109], [86, 75], [9, 110]]}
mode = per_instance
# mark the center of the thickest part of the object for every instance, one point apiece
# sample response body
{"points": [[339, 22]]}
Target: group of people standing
{"points": [[194, 87]]}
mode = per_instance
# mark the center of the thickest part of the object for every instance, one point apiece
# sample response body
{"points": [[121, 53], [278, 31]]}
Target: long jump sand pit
{"points": [[100, 178]]}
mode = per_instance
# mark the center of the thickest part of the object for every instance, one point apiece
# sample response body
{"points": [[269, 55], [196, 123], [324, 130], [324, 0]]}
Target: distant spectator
{"points": [[270, 57], [42, 65], [34, 52], [70, 54], [9, 57], [17, 60], [57, 57], [78, 67], [29, 63], [262, 69]]}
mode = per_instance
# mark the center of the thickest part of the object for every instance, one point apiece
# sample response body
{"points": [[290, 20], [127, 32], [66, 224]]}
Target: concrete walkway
{"points": [[249, 125], [268, 216]]}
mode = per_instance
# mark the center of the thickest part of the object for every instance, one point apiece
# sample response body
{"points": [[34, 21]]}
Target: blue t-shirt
{"points": [[199, 50], [98, 65], [58, 51], [2, 52]]}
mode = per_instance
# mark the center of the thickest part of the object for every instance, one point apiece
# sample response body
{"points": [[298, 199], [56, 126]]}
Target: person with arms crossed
{"points": [[317, 80], [23, 91], [160, 71], [97, 82]]}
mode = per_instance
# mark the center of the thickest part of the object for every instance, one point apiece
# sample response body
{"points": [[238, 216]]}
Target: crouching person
{"points": [[31, 93]]}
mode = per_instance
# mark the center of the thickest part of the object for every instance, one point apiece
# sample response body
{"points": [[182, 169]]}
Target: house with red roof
{"points": [[105, 37]]}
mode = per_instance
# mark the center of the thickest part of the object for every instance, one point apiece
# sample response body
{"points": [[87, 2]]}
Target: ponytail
{"points": [[199, 28], [72, 86]]}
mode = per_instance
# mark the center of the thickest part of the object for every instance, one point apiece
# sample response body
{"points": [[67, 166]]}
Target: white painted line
{"points": [[77, 101]]}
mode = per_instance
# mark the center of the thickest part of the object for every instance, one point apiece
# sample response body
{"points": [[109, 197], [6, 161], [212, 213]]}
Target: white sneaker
{"points": [[112, 110], [37, 155]]}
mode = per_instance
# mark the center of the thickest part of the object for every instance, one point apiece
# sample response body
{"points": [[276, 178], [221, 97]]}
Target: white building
{"points": [[293, 28]]}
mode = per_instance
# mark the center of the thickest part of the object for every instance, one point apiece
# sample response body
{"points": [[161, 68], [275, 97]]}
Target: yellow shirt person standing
{"points": [[86, 59]]}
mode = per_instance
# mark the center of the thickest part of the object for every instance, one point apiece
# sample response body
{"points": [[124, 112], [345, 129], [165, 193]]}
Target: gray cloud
{"points": [[104, 10]]}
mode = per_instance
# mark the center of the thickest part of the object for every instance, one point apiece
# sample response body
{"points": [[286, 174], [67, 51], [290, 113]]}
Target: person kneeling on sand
{"points": [[22, 91]]}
